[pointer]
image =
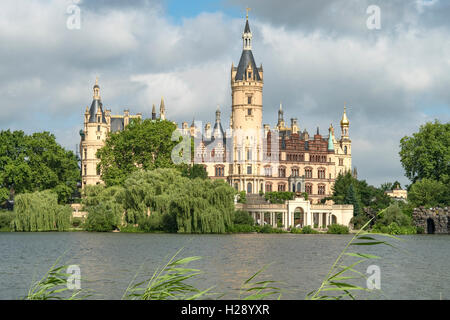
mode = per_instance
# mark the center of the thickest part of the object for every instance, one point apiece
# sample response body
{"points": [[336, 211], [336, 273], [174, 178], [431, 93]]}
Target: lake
{"points": [[419, 268]]}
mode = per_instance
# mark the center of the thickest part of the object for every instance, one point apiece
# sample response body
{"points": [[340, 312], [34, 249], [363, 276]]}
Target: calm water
{"points": [[109, 261]]}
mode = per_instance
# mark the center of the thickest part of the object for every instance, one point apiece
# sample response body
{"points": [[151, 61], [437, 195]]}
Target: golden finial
{"points": [[248, 9], [344, 121], [96, 80]]}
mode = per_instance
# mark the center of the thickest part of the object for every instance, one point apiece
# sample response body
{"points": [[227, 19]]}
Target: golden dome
{"points": [[344, 120]]}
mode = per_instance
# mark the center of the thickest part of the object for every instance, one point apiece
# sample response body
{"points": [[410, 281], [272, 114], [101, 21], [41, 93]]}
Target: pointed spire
{"points": [[162, 110], [96, 90], [154, 112], [247, 35], [344, 120], [218, 114], [330, 139]]}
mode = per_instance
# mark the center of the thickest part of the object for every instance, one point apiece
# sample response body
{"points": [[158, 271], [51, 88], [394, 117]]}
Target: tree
{"points": [[104, 207], [186, 205], [40, 211], [427, 153], [352, 198], [143, 144], [36, 162], [429, 193]]}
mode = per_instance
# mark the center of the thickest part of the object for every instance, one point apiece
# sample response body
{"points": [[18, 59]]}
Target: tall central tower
{"points": [[246, 118]]}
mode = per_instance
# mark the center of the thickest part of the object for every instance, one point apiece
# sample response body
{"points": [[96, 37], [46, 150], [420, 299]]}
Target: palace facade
{"points": [[249, 155], [257, 158]]}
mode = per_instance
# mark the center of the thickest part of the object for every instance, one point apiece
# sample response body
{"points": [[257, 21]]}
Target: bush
{"points": [[103, 217], [337, 229], [269, 229], [278, 197], [152, 223], [395, 229], [77, 222], [308, 230], [296, 230], [243, 217], [6, 217], [242, 197], [241, 228]]}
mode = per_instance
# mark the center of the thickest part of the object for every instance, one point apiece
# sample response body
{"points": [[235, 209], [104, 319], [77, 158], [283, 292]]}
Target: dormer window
{"points": [[249, 75]]}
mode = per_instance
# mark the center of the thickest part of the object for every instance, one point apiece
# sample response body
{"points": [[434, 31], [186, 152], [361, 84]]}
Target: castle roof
{"points": [[246, 60], [95, 106]]}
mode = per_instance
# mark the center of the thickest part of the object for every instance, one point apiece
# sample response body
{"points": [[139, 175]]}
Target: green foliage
{"points": [[36, 162], [53, 284], [296, 230], [40, 211], [429, 193], [427, 153], [169, 282], [241, 228], [363, 195], [393, 214], [395, 229], [352, 198], [359, 220], [6, 217], [77, 222], [308, 230], [337, 229], [193, 171], [187, 205], [267, 228], [242, 197], [242, 217], [104, 207], [143, 144], [259, 290], [279, 196]]}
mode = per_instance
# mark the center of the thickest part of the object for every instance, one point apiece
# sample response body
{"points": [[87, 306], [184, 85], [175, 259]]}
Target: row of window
{"points": [[308, 188]]}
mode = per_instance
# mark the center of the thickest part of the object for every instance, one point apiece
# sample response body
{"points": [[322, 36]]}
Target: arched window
{"points": [[321, 190], [308, 188], [308, 173], [345, 149], [281, 187], [282, 172], [249, 188], [268, 187], [299, 187]]}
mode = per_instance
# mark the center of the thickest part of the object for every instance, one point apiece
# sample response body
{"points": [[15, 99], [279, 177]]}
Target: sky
{"points": [[317, 56]]}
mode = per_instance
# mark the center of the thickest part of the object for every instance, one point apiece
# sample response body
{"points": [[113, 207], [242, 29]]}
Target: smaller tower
{"points": [[162, 110], [331, 139], [280, 124], [154, 112], [344, 125], [247, 35]]}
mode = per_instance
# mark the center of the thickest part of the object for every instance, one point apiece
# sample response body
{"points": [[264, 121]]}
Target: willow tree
{"points": [[40, 211], [195, 205], [104, 207]]}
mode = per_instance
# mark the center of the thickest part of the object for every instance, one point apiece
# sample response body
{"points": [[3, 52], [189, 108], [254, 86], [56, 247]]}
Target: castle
{"points": [[250, 156]]}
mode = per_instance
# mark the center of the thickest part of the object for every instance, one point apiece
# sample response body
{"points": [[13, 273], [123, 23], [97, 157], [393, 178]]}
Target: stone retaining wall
{"points": [[435, 220]]}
